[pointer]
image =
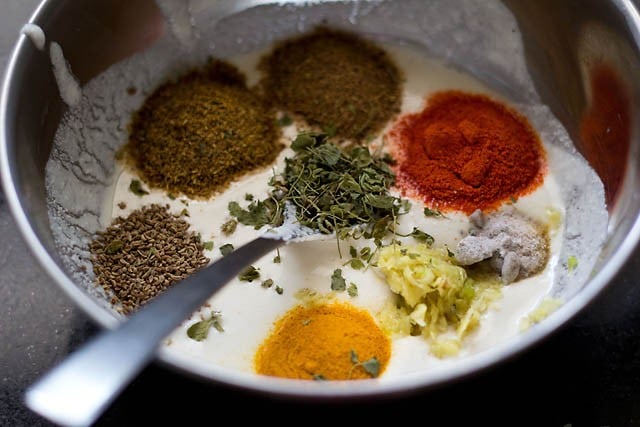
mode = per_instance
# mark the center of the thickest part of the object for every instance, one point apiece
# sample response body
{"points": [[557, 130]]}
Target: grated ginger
{"points": [[438, 296], [541, 312]]}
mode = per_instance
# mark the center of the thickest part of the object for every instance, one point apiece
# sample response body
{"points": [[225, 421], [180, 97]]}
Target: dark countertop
{"points": [[588, 373]]}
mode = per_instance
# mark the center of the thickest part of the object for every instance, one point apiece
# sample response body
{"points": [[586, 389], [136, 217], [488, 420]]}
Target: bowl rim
{"points": [[402, 384]]}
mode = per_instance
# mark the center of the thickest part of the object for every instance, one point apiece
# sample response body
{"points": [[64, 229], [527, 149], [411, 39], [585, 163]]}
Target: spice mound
{"points": [[466, 152], [515, 246], [195, 135], [332, 341], [436, 296], [335, 80], [331, 189], [139, 256]]}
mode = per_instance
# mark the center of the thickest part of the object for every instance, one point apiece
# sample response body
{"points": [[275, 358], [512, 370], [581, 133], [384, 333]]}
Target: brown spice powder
{"points": [[138, 257], [195, 135], [334, 80]]}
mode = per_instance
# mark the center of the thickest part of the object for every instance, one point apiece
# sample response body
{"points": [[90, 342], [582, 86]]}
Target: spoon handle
{"points": [[78, 390]]}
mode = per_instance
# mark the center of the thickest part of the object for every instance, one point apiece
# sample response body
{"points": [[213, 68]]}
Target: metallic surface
{"points": [[30, 109]]}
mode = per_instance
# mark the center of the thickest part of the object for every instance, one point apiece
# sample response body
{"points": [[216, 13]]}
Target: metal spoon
{"points": [[78, 390]]}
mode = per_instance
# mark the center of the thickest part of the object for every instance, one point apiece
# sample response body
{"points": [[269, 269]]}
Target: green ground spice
{"points": [[335, 80], [195, 135]]}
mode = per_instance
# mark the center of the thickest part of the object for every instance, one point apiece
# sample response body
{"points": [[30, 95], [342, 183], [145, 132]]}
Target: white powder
{"points": [[68, 86], [513, 243], [35, 34]]}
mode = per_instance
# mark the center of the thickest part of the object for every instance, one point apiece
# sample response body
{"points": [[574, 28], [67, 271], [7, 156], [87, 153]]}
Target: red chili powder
{"points": [[466, 151]]}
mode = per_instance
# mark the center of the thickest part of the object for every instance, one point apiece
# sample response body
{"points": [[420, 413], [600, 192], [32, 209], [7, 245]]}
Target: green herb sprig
{"points": [[332, 190], [435, 213], [420, 236]]}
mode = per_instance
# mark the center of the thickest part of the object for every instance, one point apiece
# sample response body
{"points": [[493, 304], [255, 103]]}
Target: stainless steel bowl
{"points": [[563, 48]]}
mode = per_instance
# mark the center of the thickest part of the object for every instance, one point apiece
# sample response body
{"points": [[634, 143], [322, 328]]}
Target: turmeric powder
{"points": [[333, 341]]}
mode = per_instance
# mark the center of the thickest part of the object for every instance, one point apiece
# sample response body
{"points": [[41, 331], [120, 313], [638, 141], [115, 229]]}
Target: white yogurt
{"points": [[35, 34], [249, 310], [68, 85]]}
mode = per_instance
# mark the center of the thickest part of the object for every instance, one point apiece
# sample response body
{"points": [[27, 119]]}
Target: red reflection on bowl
{"points": [[605, 129]]}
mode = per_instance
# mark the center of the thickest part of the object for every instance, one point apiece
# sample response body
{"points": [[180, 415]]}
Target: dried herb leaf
{"points": [[353, 252], [257, 214], [267, 283], [208, 245], [372, 366], [302, 141], [337, 281], [319, 377], [421, 236], [433, 213], [352, 290], [386, 157], [279, 290], [330, 130], [199, 331], [356, 264], [229, 227], [572, 263], [136, 188], [329, 184], [249, 274], [332, 190], [226, 249]]}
